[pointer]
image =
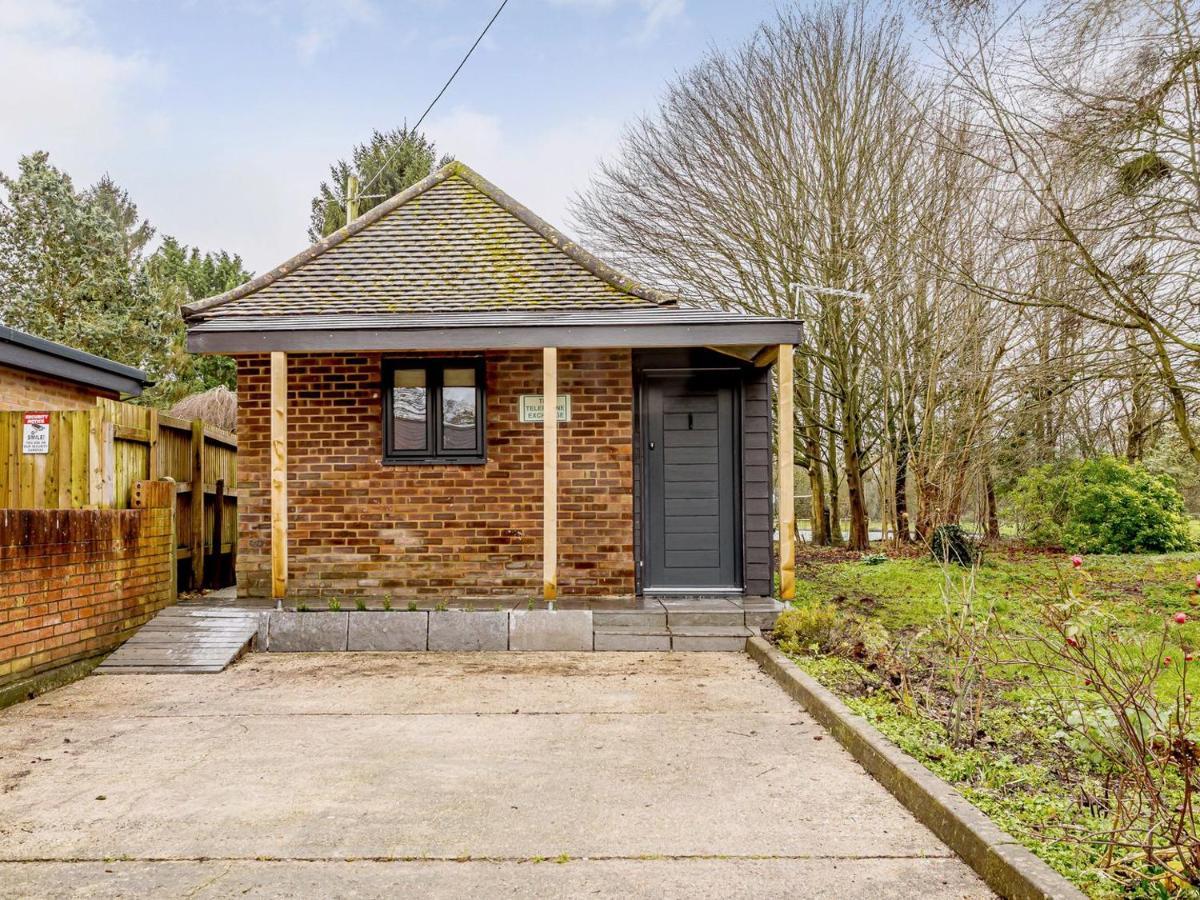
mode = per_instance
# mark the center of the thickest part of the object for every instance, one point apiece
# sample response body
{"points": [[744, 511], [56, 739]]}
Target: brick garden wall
{"points": [[357, 526], [74, 583], [21, 390]]}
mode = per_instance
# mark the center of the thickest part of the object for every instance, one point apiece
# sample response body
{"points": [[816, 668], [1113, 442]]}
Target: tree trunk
{"points": [[993, 514], [816, 479], [859, 522], [1137, 428], [928, 503], [834, 525], [900, 491]]}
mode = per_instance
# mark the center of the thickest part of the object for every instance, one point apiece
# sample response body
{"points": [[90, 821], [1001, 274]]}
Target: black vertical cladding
{"points": [[757, 493]]}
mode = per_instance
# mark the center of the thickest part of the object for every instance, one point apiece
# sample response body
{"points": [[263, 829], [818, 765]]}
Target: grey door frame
{"points": [[733, 375]]}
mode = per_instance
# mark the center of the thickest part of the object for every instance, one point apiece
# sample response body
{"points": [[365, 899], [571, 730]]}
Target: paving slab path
{"points": [[486, 774]]}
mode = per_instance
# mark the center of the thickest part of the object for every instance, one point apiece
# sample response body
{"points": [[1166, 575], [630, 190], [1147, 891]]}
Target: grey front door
{"points": [[692, 538]]}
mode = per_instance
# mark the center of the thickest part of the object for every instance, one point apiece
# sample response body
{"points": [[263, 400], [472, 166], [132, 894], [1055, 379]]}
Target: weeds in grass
{"points": [[440, 606], [963, 632], [1125, 710], [387, 602], [412, 605], [335, 605], [1026, 756], [360, 605]]}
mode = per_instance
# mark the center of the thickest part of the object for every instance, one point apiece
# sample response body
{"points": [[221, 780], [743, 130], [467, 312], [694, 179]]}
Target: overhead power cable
{"points": [[434, 101]]}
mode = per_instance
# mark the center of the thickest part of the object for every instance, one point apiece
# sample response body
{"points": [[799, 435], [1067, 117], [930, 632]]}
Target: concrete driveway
{"points": [[547, 775]]}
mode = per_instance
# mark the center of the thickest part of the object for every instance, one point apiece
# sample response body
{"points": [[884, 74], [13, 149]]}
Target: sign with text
{"points": [[35, 433], [533, 409]]}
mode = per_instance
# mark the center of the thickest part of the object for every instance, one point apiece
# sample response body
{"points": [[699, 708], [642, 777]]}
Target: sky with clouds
{"points": [[221, 116]]}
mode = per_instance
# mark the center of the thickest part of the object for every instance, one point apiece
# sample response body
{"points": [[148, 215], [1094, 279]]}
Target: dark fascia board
{"points": [[25, 351], [524, 337]]}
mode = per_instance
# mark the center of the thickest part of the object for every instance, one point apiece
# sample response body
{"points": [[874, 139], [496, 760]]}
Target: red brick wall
{"points": [[75, 582], [24, 390], [357, 526]]}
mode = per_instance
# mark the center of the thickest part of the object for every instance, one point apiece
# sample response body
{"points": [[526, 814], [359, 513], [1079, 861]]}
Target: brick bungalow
{"points": [[391, 430]]}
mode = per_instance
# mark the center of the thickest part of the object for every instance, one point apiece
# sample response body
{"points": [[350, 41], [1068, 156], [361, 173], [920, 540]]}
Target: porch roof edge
{"points": [[677, 328]]}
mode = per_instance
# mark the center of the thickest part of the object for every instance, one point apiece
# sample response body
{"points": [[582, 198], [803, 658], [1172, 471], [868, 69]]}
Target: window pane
{"points": [[459, 378], [409, 410], [458, 410]]}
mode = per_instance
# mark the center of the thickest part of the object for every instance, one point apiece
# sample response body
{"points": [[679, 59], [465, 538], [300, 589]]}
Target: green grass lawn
{"points": [[1018, 767]]}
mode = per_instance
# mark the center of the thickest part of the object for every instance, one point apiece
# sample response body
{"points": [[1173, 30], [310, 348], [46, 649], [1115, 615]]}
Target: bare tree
{"points": [[776, 166], [1090, 119]]}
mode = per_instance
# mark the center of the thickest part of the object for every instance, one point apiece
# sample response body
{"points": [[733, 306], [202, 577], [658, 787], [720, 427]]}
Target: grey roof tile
{"points": [[452, 243]]}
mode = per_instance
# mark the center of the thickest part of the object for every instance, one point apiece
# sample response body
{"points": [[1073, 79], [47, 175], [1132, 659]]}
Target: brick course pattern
{"points": [[358, 527], [75, 583], [22, 390]]}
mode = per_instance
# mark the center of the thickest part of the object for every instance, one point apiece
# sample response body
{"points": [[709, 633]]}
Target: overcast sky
{"points": [[221, 116]]}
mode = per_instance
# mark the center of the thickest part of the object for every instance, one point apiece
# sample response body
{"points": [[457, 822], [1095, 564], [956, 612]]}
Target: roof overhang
{"points": [[34, 354], [491, 331]]}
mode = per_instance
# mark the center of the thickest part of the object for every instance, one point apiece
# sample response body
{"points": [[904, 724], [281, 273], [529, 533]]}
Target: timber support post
{"points": [[279, 520], [787, 474], [550, 473]]}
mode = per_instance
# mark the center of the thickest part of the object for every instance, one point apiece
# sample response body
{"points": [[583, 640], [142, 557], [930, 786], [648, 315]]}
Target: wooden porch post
{"points": [[549, 473], [787, 476], [279, 554]]}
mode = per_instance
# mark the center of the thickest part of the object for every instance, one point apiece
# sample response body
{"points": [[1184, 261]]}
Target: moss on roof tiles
{"points": [[451, 247]]}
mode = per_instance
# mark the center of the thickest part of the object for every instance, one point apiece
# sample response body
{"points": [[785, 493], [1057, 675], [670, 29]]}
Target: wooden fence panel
{"points": [[96, 456]]}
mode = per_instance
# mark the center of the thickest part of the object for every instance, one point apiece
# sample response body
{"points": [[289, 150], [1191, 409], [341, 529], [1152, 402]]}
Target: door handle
{"points": [[652, 445]]}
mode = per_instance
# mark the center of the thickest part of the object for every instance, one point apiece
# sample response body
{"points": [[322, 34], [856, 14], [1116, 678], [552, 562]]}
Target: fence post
{"points": [[101, 479], [217, 570], [197, 503], [152, 457]]}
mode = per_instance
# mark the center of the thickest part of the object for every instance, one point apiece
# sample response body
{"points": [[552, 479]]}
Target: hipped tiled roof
{"points": [[451, 243]]}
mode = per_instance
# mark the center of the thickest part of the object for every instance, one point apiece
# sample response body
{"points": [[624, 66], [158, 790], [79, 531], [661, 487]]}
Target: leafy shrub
{"points": [[865, 640], [952, 543], [809, 629], [874, 559], [1100, 506]]}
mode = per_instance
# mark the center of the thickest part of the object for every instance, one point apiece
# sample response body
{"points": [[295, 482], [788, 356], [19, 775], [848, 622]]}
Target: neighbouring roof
{"points": [[453, 241], [454, 262], [35, 354]]}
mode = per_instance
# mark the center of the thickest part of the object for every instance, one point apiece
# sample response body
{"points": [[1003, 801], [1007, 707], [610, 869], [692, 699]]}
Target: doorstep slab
{"points": [[764, 619], [645, 618], [454, 630], [560, 629], [303, 632], [631, 639], [705, 617], [398, 630]]}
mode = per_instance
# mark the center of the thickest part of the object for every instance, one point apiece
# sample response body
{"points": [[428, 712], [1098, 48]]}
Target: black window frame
{"points": [[435, 368]]}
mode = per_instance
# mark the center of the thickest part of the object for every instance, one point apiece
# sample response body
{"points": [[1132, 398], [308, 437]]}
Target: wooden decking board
{"points": [[163, 670], [194, 640]]}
